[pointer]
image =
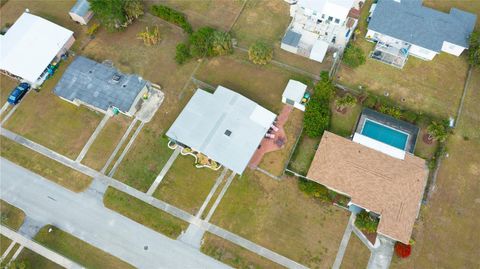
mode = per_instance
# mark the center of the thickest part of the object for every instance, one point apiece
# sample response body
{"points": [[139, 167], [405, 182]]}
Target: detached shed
{"points": [[81, 12], [293, 94]]}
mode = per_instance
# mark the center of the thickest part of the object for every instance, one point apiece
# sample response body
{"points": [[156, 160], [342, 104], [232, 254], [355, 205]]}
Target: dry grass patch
{"points": [[356, 255], [233, 255], [106, 141], [432, 86], [186, 186], [34, 260], [215, 13], [445, 6], [44, 166], [278, 216], [7, 84]]}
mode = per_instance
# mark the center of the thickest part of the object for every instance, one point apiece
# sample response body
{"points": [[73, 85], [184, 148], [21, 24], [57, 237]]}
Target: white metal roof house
{"points": [[225, 126], [81, 12], [30, 45], [318, 25], [100, 87], [294, 93], [403, 28]]}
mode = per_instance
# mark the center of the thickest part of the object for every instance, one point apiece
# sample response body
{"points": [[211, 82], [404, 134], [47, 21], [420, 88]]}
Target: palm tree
{"points": [[438, 130], [260, 53]]}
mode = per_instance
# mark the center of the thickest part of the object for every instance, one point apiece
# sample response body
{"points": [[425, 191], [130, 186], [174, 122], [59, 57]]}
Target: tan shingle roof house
{"points": [[375, 181]]}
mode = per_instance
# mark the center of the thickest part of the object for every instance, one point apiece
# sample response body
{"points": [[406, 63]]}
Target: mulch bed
{"points": [[427, 139], [371, 237]]}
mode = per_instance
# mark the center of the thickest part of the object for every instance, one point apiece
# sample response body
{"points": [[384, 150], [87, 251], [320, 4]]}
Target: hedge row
{"points": [[173, 16]]}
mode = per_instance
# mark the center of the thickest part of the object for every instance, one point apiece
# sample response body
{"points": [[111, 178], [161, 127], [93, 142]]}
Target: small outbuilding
{"points": [[81, 12], [225, 126], [101, 87], [30, 46], [294, 94]]}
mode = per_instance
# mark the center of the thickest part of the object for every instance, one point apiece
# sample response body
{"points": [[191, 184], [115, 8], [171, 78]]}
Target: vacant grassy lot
{"points": [[262, 84], [35, 260], [356, 255], [274, 162], [106, 142], [143, 213], [77, 250], [7, 84], [46, 119], [46, 167], [219, 14], [446, 235], [279, 216], [12, 217], [232, 254], [186, 186]]}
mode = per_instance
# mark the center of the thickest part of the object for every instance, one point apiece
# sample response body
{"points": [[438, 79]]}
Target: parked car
{"points": [[18, 93]]}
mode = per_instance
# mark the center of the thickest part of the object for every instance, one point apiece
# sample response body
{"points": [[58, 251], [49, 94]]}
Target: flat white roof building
{"points": [[293, 94], [225, 126], [30, 45]]}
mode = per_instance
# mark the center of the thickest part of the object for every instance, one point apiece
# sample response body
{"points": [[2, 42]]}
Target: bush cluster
{"points": [[353, 56], [317, 112], [260, 53], [366, 223], [173, 16], [205, 42]]}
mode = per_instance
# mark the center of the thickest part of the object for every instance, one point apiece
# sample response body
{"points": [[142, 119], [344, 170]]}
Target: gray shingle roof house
{"points": [[225, 126], [100, 86], [429, 31]]}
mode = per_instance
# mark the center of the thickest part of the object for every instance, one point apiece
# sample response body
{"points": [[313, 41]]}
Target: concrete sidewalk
{"points": [[92, 138], [164, 170]]}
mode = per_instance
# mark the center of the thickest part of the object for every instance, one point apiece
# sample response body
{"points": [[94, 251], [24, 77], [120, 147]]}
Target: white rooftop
{"points": [[335, 8], [225, 126], [30, 45], [294, 90], [379, 146]]}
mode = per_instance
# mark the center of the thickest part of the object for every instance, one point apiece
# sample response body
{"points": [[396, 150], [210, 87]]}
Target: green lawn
{"points": [[46, 119], [7, 84], [278, 216], [143, 213], [356, 255], [44, 166], [234, 255], [34, 260], [303, 154], [106, 142], [4, 243], [12, 217], [343, 124], [186, 186], [77, 250], [274, 162]]}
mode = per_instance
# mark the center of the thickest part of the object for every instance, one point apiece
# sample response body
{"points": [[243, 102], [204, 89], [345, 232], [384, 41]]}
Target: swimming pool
{"points": [[385, 134]]}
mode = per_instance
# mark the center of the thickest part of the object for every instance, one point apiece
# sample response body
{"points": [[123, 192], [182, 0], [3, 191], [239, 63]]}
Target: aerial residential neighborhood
{"points": [[239, 134]]}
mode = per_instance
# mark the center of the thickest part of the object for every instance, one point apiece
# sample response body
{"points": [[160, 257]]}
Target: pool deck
{"points": [[392, 122]]}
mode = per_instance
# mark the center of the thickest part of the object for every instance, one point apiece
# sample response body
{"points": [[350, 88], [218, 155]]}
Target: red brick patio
{"points": [[268, 144]]}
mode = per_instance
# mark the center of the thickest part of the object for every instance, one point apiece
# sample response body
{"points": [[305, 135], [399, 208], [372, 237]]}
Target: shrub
{"points": [[439, 130], [410, 116], [366, 222], [402, 250], [173, 16], [149, 37], [313, 189], [390, 110], [201, 42], [93, 29], [222, 43], [370, 101], [116, 14], [346, 101], [353, 56], [260, 53], [316, 118], [474, 49], [182, 53]]}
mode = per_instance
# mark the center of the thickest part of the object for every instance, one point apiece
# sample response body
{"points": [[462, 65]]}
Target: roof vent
{"points": [[228, 132], [116, 78]]}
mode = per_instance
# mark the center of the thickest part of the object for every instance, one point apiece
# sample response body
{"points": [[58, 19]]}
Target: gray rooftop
{"points": [[81, 7], [99, 85], [410, 21], [291, 38], [225, 126]]}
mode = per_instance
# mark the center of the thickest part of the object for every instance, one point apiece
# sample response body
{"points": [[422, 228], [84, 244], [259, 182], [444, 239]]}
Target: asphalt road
{"points": [[84, 216]]}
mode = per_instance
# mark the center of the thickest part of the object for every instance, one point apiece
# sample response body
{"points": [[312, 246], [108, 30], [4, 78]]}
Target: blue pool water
{"points": [[385, 134]]}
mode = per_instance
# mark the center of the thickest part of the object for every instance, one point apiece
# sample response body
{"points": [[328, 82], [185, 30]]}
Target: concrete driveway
{"points": [[84, 216]]}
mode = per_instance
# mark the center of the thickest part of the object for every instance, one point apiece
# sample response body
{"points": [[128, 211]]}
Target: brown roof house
{"points": [[390, 185]]}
